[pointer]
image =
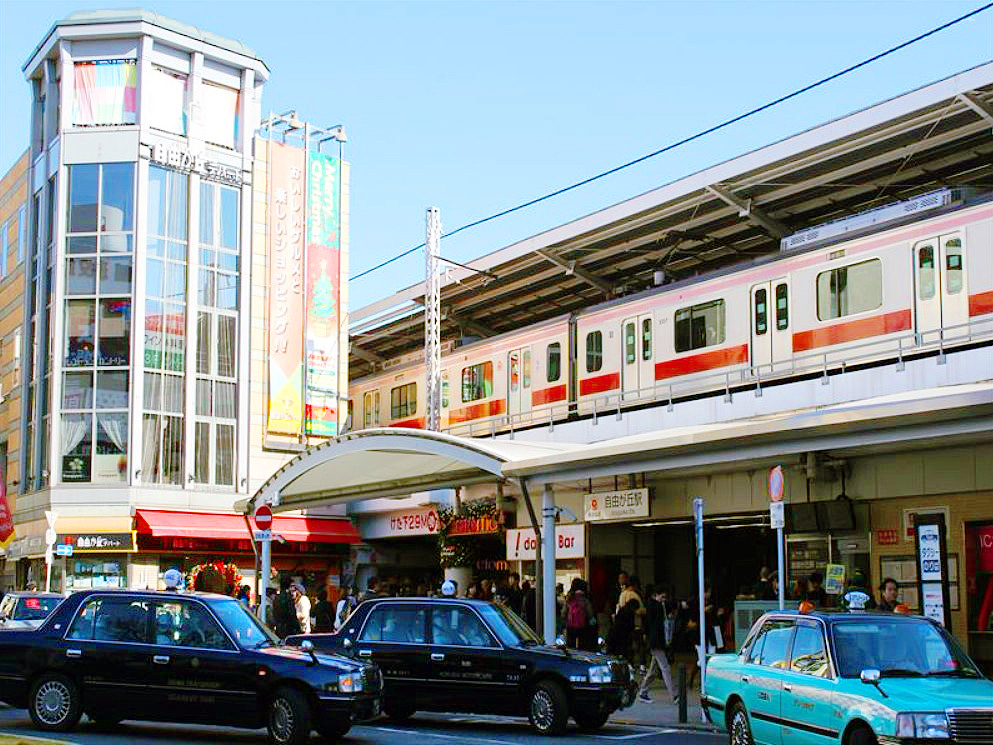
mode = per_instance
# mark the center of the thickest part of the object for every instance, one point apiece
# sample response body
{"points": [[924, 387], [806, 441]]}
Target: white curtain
{"points": [[116, 428], [74, 428], [150, 448]]}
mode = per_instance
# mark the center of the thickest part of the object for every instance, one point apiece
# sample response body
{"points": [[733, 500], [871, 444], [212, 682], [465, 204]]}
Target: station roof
{"points": [[938, 136]]}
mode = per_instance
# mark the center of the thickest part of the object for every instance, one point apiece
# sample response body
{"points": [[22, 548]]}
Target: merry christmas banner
{"points": [[286, 288], [322, 330]]}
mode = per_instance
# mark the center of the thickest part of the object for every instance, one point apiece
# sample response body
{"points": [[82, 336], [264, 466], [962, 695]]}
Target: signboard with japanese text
{"points": [[286, 288], [322, 296], [834, 579], [932, 568], [570, 543], [619, 505], [399, 524], [97, 542]]}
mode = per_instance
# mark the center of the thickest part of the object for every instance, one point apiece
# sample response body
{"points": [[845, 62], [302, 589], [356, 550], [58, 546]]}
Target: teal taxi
{"points": [[856, 678]]}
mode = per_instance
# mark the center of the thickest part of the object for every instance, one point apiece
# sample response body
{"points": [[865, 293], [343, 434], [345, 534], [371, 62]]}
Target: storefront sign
{"points": [[984, 542], [932, 578], [184, 160], [399, 524], [475, 525], [887, 537], [618, 505], [570, 543], [97, 542], [6, 518]]}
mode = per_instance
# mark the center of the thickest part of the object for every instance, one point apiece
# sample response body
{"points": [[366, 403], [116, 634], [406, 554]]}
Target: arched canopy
{"points": [[390, 462]]}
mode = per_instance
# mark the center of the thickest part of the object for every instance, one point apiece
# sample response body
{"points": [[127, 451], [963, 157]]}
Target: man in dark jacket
{"points": [[655, 618], [284, 610]]}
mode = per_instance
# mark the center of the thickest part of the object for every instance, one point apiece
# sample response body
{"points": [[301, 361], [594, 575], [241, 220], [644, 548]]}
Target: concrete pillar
{"points": [[548, 563]]}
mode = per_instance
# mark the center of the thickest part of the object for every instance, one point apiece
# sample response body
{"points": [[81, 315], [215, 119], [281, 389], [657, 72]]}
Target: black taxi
{"points": [[471, 656], [179, 657]]}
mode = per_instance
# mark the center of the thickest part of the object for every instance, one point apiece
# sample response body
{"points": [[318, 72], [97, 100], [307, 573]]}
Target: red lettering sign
{"points": [[887, 537]]}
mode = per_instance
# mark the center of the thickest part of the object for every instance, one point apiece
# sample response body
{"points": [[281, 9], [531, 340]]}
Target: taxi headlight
{"points": [[933, 725], [600, 674], [350, 683]]}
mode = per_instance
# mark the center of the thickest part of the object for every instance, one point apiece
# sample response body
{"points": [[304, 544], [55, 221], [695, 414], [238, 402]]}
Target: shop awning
{"points": [[162, 524]]}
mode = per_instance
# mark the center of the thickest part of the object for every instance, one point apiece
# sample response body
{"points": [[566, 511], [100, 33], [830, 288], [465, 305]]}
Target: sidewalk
{"points": [[662, 712]]}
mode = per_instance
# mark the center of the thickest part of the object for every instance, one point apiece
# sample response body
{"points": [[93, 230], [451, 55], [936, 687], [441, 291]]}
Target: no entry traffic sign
{"points": [[263, 517]]}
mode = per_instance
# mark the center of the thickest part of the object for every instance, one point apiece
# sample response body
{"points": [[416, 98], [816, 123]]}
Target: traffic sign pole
{"points": [[263, 528], [50, 536], [776, 516]]}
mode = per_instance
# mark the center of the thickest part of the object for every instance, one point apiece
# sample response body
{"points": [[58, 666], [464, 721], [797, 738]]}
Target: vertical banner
{"points": [[7, 534], [286, 287], [322, 330]]}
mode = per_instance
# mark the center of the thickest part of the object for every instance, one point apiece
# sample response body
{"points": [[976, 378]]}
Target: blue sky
{"points": [[475, 107]]}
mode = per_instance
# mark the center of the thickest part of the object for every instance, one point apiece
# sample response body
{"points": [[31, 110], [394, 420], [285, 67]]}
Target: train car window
{"points": [[700, 326], [526, 369], [782, 308], [646, 339], [850, 289], [953, 266], [629, 343], [477, 382], [594, 351], [925, 272], [761, 312], [444, 393], [554, 362], [403, 401], [515, 373]]}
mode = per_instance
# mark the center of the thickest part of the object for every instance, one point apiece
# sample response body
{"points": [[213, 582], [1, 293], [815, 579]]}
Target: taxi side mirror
{"points": [[869, 676]]}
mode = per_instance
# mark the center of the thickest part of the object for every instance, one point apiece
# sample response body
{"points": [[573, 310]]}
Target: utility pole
{"points": [[432, 319]]}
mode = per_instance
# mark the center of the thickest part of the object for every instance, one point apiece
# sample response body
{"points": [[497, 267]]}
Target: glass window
{"points": [[769, 647], [953, 266], [220, 114], [400, 624], [105, 93], [115, 332], [22, 233], [782, 307], [112, 390], [224, 455], [646, 339], [77, 390], [761, 312], [201, 454], [526, 368], [183, 624], [700, 326], [403, 401], [4, 248], [81, 277], [115, 275], [459, 627], [226, 346], [925, 272], [809, 656], [898, 647], [112, 434], [370, 409], [594, 351], [121, 620], [117, 204], [242, 625], [77, 447], [168, 192], [515, 373], [80, 333], [554, 362], [477, 382], [851, 289], [84, 182], [88, 574], [168, 101], [630, 343]]}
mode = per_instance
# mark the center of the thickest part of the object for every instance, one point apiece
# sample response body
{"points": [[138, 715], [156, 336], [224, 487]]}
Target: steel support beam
{"points": [[746, 209], [571, 268], [980, 107], [364, 354], [467, 323]]}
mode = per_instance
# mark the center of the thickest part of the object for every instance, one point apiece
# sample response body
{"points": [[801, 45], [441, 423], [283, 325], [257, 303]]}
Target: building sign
{"points": [[932, 567], [97, 542], [322, 299], [570, 543], [888, 537], [400, 524], [617, 505], [7, 534], [475, 525], [184, 160], [286, 287]]}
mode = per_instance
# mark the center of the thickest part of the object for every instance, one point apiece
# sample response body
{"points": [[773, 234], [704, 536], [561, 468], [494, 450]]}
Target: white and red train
{"points": [[927, 278]]}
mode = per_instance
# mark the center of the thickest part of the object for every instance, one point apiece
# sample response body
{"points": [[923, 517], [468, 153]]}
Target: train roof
{"points": [[727, 215]]}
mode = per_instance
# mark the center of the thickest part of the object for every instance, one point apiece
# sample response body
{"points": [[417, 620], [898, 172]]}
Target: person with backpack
{"points": [[579, 616]]}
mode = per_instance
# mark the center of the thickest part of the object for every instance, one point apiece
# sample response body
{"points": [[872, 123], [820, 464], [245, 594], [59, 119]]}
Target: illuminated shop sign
{"points": [[617, 505], [183, 160]]}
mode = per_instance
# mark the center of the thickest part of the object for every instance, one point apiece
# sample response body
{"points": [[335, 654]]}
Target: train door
{"points": [[770, 324], [941, 297], [519, 381], [370, 409], [637, 355]]}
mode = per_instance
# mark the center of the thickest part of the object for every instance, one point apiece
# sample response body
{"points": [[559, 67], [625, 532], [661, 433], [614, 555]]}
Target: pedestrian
{"points": [[578, 616], [245, 595], [486, 589], [323, 614], [655, 627], [513, 594], [815, 591], [372, 590], [301, 606], [529, 606], [629, 591], [284, 610], [887, 594], [345, 607], [31, 586], [763, 588], [622, 631]]}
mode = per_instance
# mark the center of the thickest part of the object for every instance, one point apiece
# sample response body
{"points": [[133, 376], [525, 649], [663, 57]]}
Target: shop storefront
{"points": [[570, 553], [400, 548]]}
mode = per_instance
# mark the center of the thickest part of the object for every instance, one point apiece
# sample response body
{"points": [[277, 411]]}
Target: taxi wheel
{"points": [[739, 733], [289, 717], [55, 704], [548, 709], [862, 736], [591, 722], [334, 730], [397, 710]]}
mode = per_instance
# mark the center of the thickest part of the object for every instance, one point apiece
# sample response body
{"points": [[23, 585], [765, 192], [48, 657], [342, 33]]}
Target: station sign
{"points": [[616, 505], [570, 543]]}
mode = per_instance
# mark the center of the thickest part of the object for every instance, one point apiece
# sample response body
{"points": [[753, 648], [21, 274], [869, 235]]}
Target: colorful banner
{"points": [[322, 331], [7, 534], [286, 283]]}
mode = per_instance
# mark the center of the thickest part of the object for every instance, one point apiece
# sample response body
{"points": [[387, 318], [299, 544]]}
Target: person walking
{"points": [[578, 616], [284, 610], [656, 615], [622, 631], [301, 607], [345, 607]]}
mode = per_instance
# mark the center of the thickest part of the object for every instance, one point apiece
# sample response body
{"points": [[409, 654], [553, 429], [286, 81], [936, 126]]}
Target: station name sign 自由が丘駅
{"points": [[616, 505]]}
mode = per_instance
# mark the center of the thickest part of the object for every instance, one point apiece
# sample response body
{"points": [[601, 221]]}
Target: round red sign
{"points": [[263, 517]]}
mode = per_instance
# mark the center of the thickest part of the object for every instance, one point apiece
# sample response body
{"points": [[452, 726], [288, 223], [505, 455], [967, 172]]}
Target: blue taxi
{"points": [[856, 678]]}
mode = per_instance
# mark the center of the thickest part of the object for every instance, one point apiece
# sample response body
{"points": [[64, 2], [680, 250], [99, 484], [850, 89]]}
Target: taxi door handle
{"points": [[365, 653], [787, 687], [437, 656], [744, 678], [161, 659], [74, 653]]}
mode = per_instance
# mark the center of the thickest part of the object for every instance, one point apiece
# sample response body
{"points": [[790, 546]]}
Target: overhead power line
{"points": [[685, 140]]}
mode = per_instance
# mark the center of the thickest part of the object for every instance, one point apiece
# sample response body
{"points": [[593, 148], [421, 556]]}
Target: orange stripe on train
{"points": [[599, 384], [477, 411], [548, 395], [840, 333], [700, 362], [981, 303]]}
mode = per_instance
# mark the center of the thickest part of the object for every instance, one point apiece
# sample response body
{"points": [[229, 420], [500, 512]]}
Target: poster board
{"points": [[932, 568]]}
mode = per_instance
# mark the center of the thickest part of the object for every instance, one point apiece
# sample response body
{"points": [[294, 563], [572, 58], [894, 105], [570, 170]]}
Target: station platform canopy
{"points": [[938, 136], [395, 461]]}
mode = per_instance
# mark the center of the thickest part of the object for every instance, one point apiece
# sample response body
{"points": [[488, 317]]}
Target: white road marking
{"points": [[461, 738]]}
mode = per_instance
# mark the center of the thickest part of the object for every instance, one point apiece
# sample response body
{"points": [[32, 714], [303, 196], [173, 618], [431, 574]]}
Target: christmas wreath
{"points": [[464, 549], [214, 573]]}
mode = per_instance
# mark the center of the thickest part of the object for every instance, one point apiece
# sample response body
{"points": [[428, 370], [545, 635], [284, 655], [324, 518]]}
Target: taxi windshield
{"points": [[35, 609], [507, 625], [908, 648], [243, 626]]}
